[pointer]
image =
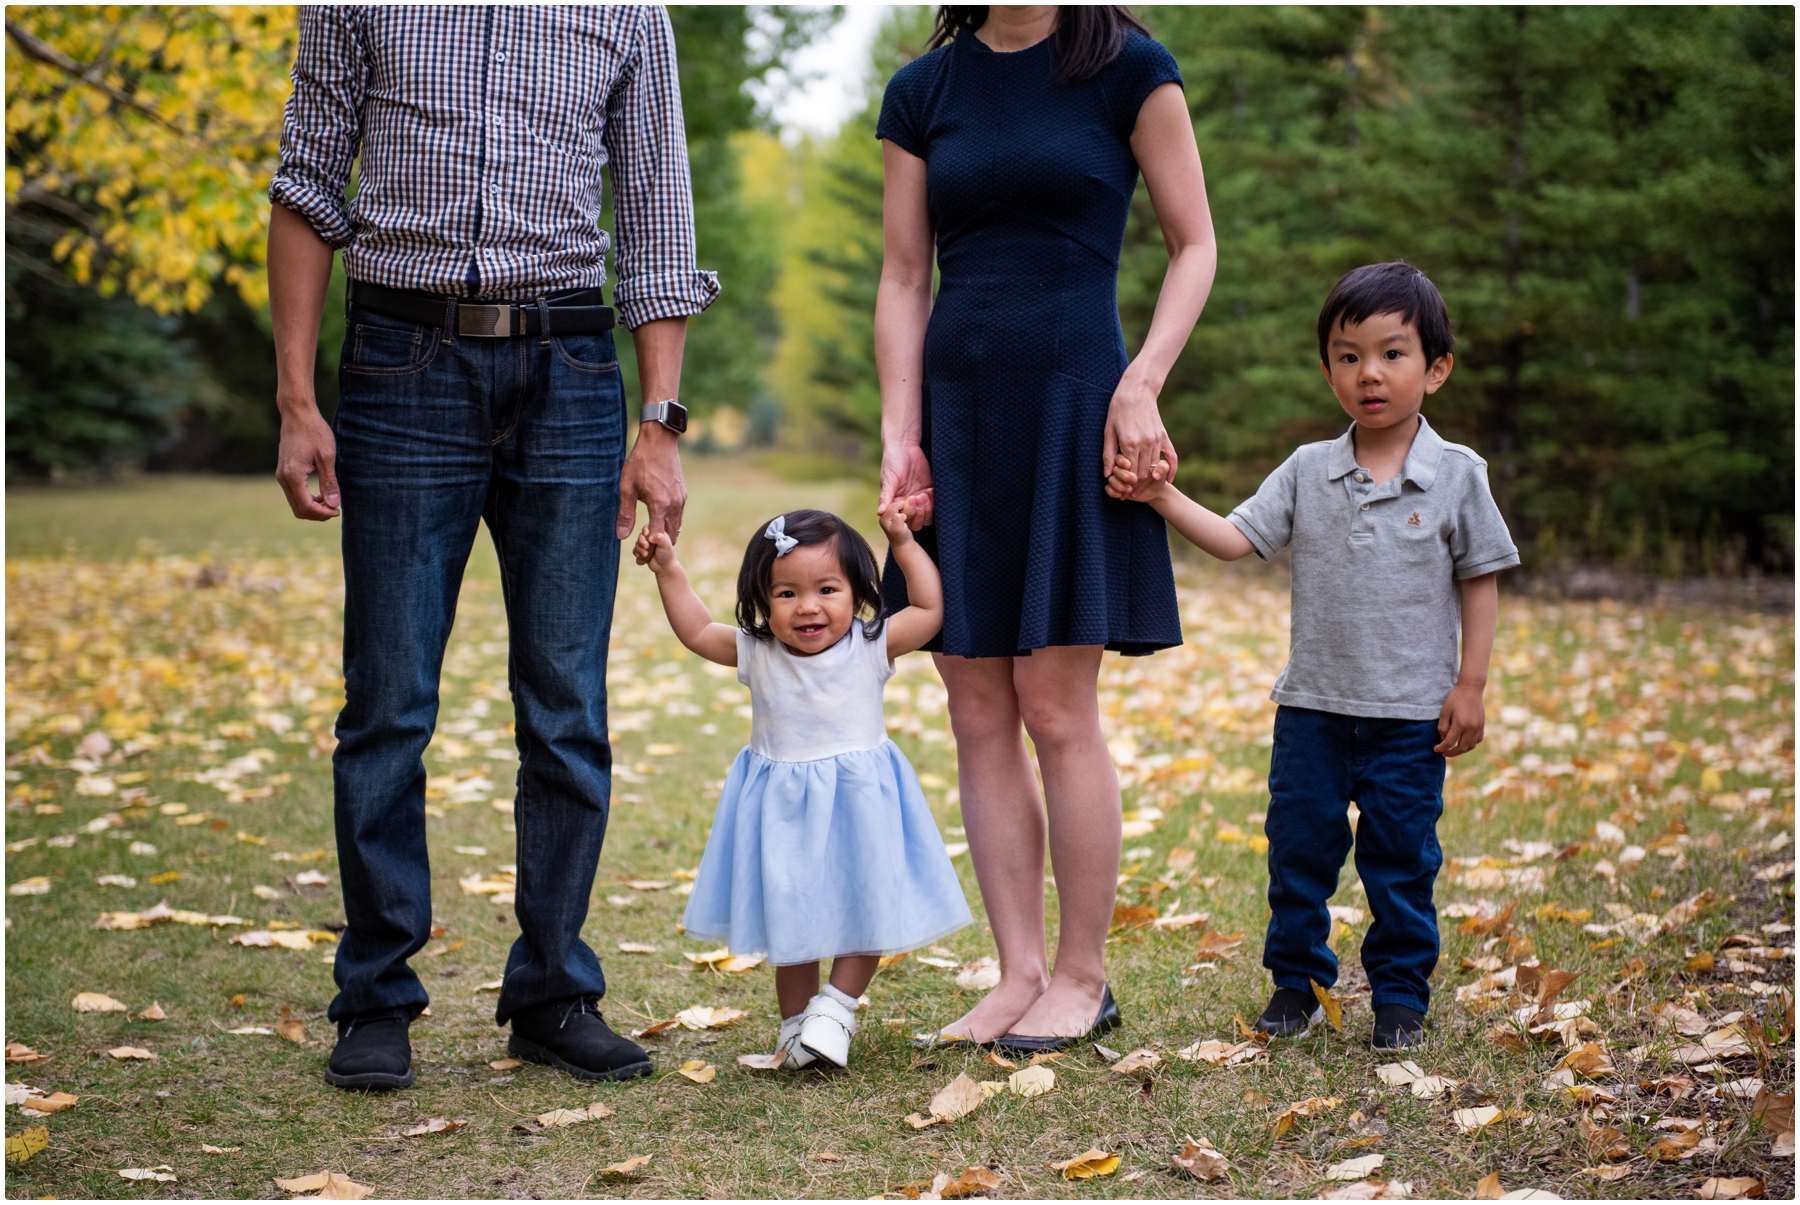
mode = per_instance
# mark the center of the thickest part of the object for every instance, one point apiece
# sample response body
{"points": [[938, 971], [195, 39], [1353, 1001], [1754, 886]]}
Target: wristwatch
{"points": [[671, 414]]}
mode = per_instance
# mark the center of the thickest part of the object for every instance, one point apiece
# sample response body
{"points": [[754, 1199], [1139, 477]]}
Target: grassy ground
{"points": [[198, 627]]}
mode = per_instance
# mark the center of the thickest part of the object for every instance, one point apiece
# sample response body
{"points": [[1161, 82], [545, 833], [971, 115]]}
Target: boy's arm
{"points": [[1463, 721], [688, 617], [1211, 533], [910, 627]]}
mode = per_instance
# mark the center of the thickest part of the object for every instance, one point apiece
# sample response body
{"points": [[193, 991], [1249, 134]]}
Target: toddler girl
{"points": [[823, 844]]}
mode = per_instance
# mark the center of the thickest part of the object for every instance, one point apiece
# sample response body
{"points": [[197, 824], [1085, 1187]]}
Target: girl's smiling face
{"points": [[810, 600]]}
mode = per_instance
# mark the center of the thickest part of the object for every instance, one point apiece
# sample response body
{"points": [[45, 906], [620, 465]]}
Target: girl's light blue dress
{"points": [[823, 843]]}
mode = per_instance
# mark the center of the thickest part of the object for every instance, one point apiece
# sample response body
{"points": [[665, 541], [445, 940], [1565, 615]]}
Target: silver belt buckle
{"points": [[484, 321]]}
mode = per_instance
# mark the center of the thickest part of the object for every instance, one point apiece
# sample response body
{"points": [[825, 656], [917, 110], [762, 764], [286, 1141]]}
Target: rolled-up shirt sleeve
{"points": [[653, 199], [322, 127]]}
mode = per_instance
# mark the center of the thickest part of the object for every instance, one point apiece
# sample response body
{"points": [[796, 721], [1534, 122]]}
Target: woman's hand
{"points": [[1135, 434], [906, 477]]}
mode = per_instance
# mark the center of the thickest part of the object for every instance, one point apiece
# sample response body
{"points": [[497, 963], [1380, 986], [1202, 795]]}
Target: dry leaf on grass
{"points": [[56, 1102], [1488, 1187], [1737, 1188], [1217, 945], [1001, 1061], [636, 947], [161, 1171], [1334, 1012], [1369, 1190], [972, 1181], [1477, 1118], [1607, 1175], [1311, 1107], [956, 1100], [26, 1143], [1032, 1081], [1399, 1075], [1124, 916], [210, 1149], [1687, 911], [1141, 1059], [505, 1064], [1088, 1165], [698, 1070], [1590, 1059], [762, 1062], [1672, 1148], [248, 1031], [568, 1117], [981, 975], [656, 1029], [701, 1017], [97, 1002], [290, 1027], [153, 1013], [1225, 1054], [328, 1185], [1354, 1169], [130, 1052], [1201, 1160], [18, 1052], [1185, 920], [627, 1168], [433, 1125]]}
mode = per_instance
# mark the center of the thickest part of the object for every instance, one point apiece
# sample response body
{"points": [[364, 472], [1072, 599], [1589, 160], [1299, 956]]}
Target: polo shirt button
{"points": [[1365, 506], [1360, 478]]}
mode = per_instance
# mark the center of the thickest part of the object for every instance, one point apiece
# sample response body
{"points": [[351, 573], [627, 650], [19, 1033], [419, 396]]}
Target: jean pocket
{"points": [[587, 353], [389, 351]]}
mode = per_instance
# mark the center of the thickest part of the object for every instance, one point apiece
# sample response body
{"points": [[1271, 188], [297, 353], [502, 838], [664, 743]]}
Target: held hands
{"points": [[906, 476], [1134, 432], [897, 521], [1463, 721], [1123, 482], [656, 551]]}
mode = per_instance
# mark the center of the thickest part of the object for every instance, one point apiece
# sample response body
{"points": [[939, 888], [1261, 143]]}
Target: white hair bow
{"points": [[777, 531]]}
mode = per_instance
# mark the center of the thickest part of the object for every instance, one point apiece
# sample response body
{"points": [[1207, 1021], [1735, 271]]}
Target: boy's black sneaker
{"points": [[372, 1051], [570, 1036], [1398, 1027], [1290, 1012]]}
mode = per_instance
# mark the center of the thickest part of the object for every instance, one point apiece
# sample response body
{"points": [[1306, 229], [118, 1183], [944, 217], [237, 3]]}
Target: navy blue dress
{"points": [[1029, 182]]}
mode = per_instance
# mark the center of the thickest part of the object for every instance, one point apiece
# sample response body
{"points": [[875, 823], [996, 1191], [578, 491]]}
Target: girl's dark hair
{"points": [[1088, 37], [809, 527], [1391, 288]]}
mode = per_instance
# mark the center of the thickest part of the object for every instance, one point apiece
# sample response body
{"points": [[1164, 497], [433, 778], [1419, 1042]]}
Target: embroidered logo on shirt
{"points": [[1413, 519]]}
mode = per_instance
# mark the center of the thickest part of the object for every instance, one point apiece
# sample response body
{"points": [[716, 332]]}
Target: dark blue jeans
{"points": [[1322, 761], [436, 435]]}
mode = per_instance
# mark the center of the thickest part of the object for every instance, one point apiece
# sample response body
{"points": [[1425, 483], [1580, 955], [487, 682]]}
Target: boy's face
{"points": [[1378, 371], [810, 603]]}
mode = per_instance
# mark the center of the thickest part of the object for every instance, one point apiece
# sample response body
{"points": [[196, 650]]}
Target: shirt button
{"points": [[1365, 506], [493, 188], [1361, 478], [500, 57]]}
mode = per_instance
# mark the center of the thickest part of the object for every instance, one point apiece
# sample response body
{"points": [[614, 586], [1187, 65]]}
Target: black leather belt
{"points": [[571, 312]]}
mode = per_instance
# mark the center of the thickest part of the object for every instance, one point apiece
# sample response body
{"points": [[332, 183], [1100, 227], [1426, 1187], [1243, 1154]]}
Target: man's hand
{"points": [[1463, 721], [652, 475], [906, 477], [307, 446]]}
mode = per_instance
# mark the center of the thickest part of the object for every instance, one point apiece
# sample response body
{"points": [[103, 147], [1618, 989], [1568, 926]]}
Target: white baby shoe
{"points": [[829, 1023], [788, 1044]]}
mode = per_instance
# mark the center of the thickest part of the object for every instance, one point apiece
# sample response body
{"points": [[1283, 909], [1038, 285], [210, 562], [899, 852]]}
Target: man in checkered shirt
{"points": [[479, 384]]}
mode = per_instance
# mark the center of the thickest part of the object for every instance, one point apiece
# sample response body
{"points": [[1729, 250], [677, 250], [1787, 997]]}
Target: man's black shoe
{"points": [[570, 1036], [372, 1052], [1398, 1027], [1290, 1012]]}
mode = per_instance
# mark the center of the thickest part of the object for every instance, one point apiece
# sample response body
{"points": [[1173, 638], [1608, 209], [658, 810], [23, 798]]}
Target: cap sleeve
{"points": [[904, 103], [1143, 66], [746, 646], [1267, 517]]}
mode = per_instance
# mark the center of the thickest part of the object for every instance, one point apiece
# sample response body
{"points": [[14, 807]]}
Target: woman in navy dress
{"points": [[1012, 149]]}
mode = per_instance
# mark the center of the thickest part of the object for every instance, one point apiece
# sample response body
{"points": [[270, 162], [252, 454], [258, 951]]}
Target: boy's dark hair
{"points": [[1396, 288], [809, 527], [1088, 37]]}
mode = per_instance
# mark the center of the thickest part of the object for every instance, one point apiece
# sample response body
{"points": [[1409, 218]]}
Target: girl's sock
{"points": [[849, 1003]]}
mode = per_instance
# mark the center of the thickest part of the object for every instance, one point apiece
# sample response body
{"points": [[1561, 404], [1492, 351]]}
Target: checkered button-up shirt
{"points": [[482, 133]]}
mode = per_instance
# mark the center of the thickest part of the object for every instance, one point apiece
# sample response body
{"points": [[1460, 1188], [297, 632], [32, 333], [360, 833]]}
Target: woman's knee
{"points": [[1054, 719]]}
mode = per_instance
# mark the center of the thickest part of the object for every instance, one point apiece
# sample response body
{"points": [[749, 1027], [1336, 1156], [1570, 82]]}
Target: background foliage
{"points": [[1605, 196]]}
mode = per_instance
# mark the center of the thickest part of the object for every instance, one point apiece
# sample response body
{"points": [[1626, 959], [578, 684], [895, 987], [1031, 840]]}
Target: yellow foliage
{"points": [[153, 131]]}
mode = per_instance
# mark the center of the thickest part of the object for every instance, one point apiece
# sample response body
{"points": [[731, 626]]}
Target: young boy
{"points": [[1396, 544]]}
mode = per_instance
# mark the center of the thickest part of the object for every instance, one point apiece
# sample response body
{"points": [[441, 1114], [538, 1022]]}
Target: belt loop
{"points": [[543, 309], [449, 321]]}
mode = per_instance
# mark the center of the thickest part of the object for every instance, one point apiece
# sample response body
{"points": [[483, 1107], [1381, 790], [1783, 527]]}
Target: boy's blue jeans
{"points": [[437, 434], [1321, 762]]}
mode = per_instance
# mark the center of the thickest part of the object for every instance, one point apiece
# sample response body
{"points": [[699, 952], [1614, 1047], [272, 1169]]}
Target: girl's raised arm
{"points": [[688, 617], [909, 628]]}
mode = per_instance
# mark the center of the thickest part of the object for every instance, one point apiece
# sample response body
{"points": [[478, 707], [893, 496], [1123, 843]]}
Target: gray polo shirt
{"points": [[1376, 608]]}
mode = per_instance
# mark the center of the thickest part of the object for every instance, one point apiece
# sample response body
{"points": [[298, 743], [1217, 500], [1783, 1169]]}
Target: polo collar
{"points": [[1421, 459]]}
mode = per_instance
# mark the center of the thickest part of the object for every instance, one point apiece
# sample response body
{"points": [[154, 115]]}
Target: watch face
{"points": [[675, 417]]}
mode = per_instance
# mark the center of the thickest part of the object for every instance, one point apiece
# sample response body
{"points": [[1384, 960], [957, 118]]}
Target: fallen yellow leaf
{"points": [[56, 1102], [1032, 1081], [1201, 1160], [153, 1013], [433, 1125], [701, 1017], [130, 1052], [97, 1002], [290, 1027], [328, 1185], [161, 1172], [1488, 1187], [26, 1143], [1088, 1165], [698, 1070], [1334, 1012], [629, 1167]]}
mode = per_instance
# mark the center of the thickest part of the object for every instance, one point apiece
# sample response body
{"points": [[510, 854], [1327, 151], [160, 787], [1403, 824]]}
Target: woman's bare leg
{"points": [[1057, 691], [1004, 817]]}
